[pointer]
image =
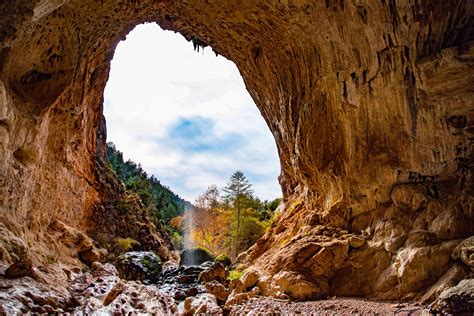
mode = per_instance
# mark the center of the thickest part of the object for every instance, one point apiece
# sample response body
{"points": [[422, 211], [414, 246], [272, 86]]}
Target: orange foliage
{"points": [[209, 228], [176, 221]]}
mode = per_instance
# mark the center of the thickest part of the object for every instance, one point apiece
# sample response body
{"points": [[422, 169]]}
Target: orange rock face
{"points": [[370, 103]]}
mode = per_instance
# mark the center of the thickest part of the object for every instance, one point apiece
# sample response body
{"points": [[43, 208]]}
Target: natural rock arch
{"points": [[361, 97]]}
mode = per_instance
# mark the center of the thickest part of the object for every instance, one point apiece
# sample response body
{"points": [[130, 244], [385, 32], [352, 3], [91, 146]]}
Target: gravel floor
{"points": [[339, 306]]}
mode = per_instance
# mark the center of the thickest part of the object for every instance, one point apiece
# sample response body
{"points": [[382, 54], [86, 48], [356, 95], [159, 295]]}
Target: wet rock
{"points": [[103, 292], [195, 256], [193, 291], [187, 279], [217, 272], [139, 265], [180, 282], [218, 290], [194, 270], [206, 264], [24, 295], [180, 295]]}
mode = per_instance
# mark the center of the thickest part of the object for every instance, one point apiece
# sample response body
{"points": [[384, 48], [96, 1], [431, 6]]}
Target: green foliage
{"points": [[50, 259], [152, 266], [238, 189], [232, 224], [238, 194], [272, 205], [234, 274], [224, 259], [125, 244], [121, 206], [177, 240], [157, 200]]}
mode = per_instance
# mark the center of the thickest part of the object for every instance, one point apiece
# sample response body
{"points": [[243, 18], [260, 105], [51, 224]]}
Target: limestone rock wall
{"points": [[362, 97]]}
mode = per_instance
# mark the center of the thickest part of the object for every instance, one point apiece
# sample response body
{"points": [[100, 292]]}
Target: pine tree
{"points": [[237, 191]]}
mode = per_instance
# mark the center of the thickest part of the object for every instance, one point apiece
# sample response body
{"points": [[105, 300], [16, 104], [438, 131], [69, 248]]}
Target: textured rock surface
{"points": [[370, 103], [202, 304], [98, 292], [456, 300], [103, 292], [139, 266]]}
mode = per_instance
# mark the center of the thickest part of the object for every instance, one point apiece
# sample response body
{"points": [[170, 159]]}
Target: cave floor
{"points": [[333, 306]]}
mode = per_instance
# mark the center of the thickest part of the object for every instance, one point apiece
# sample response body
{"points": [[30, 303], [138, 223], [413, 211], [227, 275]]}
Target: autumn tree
{"points": [[207, 225], [238, 192], [209, 199]]}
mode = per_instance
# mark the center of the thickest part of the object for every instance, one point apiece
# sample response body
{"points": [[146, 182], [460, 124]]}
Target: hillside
{"points": [[158, 200]]}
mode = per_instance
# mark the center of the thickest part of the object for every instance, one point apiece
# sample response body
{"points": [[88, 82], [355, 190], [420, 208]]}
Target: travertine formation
{"points": [[370, 102]]}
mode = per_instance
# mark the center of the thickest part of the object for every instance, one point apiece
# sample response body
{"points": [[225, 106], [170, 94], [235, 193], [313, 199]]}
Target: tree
{"points": [[209, 199], [157, 200], [237, 192]]}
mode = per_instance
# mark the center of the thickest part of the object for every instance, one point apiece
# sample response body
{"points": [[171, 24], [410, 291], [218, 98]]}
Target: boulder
{"points": [[139, 265], [452, 277], [202, 304], [195, 256], [14, 251], [224, 259], [452, 224], [91, 255], [218, 290], [236, 285], [300, 288], [236, 299], [458, 300], [465, 252], [102, 292], [217, 272], [408, 196], [249, 279]]}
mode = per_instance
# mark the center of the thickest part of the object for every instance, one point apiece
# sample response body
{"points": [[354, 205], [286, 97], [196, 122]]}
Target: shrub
{"points": [[224, 259], [234, 274], [125, 244], [177, 240]]}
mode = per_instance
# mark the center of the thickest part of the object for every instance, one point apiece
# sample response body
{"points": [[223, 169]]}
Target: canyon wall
{"points": [[370, 102]]}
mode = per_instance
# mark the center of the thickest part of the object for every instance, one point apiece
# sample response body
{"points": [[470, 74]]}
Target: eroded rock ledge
{"points": [[370, 103]]}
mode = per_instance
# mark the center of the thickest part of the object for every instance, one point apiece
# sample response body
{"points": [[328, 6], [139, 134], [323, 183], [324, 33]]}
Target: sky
{"points": [[186, 116]]}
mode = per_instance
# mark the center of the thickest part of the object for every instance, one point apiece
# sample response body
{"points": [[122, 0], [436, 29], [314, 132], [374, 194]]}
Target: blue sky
{"points": [[186, 116]]}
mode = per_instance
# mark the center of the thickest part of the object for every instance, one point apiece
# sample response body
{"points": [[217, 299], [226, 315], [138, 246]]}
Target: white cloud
{"points": [[156, 81]]}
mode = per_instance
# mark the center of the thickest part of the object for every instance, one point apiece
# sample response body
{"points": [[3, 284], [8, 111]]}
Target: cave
{"points": [[370, 104]]}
